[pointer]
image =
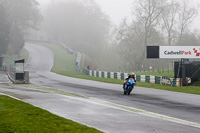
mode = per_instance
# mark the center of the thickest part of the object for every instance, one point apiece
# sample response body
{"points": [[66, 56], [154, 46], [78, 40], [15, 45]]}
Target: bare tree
{"points": [[190, 39], [148, 12], [129, 39], [4, 30], [186, 13], [23, 15], [169, 16]]}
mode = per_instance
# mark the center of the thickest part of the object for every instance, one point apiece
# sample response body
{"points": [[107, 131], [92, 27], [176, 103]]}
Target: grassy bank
{"points": [[63, 61], [19, 117], [165, 73]]}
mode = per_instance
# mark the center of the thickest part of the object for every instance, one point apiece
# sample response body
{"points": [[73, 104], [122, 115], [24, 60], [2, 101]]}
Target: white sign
{"points": [[179, 52]]}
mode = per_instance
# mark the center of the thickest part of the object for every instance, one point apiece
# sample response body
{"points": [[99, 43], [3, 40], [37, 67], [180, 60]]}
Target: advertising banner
{"points": [[176, 52]]}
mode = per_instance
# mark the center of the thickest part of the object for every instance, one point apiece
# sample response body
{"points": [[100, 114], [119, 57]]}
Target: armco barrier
{"points": [[140, 78], [152, 79], [147, 79], [175, 82], [118, 75], [122, 76], [115, 75], [158, 79], [108, 75], [102, 74]]}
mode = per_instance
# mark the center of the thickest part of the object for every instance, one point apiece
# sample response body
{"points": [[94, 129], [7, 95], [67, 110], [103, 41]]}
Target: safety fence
{"points": [[141, 78]]}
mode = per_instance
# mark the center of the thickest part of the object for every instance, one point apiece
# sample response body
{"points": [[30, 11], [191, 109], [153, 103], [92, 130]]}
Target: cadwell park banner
{"points": [[173, 52], [179, 51]]}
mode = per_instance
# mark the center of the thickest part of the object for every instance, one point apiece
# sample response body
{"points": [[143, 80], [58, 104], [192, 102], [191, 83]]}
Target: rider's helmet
{"points": [[132, 75]]}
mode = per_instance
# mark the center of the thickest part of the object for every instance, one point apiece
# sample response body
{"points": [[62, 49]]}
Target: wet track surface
{"points": [[107, 117]]}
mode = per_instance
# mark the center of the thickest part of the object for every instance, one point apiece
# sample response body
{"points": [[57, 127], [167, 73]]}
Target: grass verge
{"points": [[165, 73], [20, 117]]}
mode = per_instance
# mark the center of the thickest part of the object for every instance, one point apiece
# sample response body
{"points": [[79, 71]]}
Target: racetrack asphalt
{"points": [[102, 105]]}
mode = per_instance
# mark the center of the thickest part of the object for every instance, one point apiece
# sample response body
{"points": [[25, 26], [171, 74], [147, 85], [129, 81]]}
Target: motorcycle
{"points": [[129, 85]]}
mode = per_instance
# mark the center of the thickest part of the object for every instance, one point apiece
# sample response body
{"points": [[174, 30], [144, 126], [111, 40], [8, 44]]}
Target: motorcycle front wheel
{"points": [[129, 91], [125, 92]]}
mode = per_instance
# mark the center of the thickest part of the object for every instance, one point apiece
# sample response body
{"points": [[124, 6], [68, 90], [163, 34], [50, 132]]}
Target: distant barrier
{"points": [[78, 60], [141, 78]]}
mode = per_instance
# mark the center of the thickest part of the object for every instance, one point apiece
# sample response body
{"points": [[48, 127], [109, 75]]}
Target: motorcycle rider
{"points": [[132, 75]]}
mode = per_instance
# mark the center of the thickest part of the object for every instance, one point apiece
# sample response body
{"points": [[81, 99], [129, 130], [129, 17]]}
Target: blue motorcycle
{"points": [[129, 86]]}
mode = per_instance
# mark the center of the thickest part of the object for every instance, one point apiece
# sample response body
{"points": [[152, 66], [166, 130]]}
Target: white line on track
{"points": [[117, 106], [143, 112]]}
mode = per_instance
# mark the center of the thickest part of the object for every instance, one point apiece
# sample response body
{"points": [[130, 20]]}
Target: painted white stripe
{"points": [[117, 106], [143, 112], [10, 96]]}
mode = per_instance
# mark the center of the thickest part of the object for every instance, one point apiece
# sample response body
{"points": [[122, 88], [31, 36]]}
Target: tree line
{"points": [[17, 16], [80, 24]]}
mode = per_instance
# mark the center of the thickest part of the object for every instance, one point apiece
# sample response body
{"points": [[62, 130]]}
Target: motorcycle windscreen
{"points": [[131, 81]]}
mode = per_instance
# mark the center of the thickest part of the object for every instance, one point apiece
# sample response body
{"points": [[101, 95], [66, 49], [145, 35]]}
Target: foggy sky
{"points": [[119, 9], [115, 9]]}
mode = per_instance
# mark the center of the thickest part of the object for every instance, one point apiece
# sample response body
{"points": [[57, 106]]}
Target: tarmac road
{"points": [[102, 105]]}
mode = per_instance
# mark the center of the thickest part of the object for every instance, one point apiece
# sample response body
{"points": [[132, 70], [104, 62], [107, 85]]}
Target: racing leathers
{"points": [[129, 76]]}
